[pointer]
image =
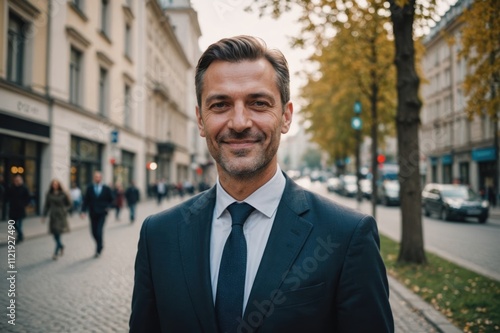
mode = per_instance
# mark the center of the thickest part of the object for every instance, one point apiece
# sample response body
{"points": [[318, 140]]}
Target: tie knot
{"points": [[239, 212]]}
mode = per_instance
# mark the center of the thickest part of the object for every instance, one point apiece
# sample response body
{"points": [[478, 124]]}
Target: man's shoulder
{"points": [[182, 211], [324, 208]]}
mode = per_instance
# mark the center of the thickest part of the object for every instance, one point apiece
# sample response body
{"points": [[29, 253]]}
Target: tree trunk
{"points": [[407, 124]]}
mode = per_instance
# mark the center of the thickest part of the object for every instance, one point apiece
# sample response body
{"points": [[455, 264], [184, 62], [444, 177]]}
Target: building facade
{"points": [[25, 109], [457, 148], [165, 83], [184, 21], [91, 85]]}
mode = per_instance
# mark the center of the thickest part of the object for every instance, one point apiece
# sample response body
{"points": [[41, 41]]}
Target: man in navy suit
{"points": [[255, 253], [98, 200]]}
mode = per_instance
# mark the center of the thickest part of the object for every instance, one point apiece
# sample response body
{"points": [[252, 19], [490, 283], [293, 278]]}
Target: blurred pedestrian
{"points": [[18, 198], [76, 198], [132, 196], [119, 196], [57, 204], [161, 190], [98, 199]]}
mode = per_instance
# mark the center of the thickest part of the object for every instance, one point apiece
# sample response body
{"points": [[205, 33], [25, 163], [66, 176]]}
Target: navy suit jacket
{"points": [[97, 204], [321, 271]]}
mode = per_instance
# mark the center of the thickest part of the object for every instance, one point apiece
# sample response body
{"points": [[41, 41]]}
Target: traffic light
{"points": [[380, 159]]}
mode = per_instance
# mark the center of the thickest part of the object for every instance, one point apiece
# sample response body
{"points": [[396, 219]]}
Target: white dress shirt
{"points": [[256, 228]]}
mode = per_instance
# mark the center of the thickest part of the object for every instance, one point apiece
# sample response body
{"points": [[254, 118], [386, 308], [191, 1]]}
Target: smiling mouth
{"points": [[240, 144]]}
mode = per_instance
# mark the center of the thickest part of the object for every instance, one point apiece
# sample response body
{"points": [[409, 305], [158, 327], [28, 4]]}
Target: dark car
{"points": [[452, 201], [388, 192], [333, 184], [349, 185]]}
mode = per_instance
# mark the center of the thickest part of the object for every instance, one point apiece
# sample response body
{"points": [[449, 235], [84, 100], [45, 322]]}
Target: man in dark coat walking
{"points": [[132, 196], [18, 198], [98, 200]]}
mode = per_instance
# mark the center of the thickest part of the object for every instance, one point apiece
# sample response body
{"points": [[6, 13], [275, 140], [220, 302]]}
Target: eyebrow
{"points": [[222, 97]]}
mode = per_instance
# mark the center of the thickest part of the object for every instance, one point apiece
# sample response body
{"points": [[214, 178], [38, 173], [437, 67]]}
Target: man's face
{"points": [[18, 180], [97, 177], [241, 116]]}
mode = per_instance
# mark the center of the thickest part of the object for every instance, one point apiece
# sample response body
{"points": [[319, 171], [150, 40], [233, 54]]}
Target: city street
{"points": [[78, 293], [469, 244]]}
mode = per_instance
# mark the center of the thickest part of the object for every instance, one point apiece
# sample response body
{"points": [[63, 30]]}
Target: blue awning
{"points": [[483, 154], [434, 160], [447, 159]]}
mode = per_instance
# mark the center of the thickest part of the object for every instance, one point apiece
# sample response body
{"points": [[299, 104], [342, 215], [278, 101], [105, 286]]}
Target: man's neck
{"points": [[242, 187]]}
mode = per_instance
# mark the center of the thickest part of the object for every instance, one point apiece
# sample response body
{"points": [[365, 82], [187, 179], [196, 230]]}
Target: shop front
{"points": [[447, 163], [86, 157], [485, 158]]}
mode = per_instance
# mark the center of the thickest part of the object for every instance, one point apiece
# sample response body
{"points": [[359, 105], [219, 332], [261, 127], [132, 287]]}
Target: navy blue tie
{"points": [[233, 266]]}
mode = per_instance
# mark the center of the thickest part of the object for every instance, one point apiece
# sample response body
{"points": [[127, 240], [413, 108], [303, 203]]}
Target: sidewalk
{"points": [[411, 313], [495, 212]]}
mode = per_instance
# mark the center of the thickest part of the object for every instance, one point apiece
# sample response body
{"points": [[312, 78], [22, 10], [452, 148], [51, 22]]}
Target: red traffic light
{"points": [[381, 159]]}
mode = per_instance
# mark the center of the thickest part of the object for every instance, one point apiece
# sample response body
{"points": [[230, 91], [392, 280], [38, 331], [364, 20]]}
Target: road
{"points": [[469, 244]]}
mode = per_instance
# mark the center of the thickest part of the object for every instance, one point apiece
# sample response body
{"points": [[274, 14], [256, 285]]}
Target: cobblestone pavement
{"points": [[78, 293]]}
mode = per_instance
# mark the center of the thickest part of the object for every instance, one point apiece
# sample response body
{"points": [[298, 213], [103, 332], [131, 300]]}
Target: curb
{"points": [[431, 315]]}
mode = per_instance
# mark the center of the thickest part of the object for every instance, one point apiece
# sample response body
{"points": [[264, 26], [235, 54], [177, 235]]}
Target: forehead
{"points": [[238, 77]]}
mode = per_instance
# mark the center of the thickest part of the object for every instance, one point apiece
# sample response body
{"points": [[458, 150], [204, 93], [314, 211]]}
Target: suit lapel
{"points": [[194, 240], [288, 235]]}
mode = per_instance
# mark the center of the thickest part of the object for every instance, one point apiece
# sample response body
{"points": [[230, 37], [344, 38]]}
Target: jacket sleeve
{"points": [[46, 206], [363, 301], [144, 316], [112, 197], [86, 199], [26, 197]]}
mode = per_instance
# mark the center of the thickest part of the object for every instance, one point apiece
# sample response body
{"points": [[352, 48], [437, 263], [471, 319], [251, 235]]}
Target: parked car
{"points": [[366, 187], [453, 201], [388, 192], [349, 187], [333, 184]]}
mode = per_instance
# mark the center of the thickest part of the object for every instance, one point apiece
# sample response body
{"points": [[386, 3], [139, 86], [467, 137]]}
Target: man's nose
{"points": [[240, 118]]}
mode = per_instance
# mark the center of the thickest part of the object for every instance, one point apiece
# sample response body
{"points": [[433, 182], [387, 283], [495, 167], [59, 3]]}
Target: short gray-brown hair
{"points": [[240, 48]]}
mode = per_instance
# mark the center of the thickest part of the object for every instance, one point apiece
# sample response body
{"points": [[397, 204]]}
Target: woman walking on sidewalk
{"points": [[57, 204]]}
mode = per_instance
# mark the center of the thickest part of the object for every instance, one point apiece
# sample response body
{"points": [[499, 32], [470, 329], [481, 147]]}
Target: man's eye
{"points": [[260, 104], [219, 105]]}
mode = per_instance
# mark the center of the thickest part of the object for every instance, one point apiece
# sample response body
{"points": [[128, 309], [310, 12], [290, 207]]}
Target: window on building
{"points": [[434, 174], [105, 16], [16, 49], [464, 173], [128, 41], [459, 101], [85, 159], [103, 89], [447, 78], [75, 66], [127, 109]]}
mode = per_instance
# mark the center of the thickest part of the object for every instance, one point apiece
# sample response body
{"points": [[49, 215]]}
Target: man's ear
{"points": [[201, 127], [287, 118]]}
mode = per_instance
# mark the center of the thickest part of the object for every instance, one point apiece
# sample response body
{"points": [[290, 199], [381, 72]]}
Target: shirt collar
{"points": [[265, 199]]}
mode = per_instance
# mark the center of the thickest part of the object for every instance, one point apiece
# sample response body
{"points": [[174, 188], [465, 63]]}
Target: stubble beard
{"points": [[241, 164]]}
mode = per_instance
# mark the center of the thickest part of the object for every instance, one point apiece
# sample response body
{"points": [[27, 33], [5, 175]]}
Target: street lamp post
{"points": [[356, 124]]}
